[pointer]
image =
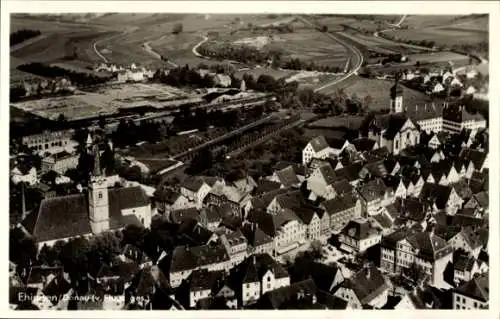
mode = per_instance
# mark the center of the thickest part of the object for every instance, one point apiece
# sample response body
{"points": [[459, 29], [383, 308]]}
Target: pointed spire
{"points": [[89, 140], [97, 161]]}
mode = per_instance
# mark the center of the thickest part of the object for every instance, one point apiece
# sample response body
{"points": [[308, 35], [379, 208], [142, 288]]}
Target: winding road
{"points": [[146, 46], [358, 58]]}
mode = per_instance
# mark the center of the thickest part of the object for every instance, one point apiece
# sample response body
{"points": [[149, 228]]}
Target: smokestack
{"points": [[23, 202]]}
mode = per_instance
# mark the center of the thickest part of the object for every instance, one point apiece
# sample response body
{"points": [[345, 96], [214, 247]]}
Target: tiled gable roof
{"points": [[339, 204], [186, 258], [287, 176], [278, 297], [254, 235], [359, 230], [373, 190], [430, 246], [265, 186], [319, 143], [435, 193], [477, 288], [367, 284], [363, 144]]}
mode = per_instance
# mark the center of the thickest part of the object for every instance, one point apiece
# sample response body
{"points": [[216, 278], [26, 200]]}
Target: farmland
{"points": [[103, 101], [448, 31], [378, 90]]}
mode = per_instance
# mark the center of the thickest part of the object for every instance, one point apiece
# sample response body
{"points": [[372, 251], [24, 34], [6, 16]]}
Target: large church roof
{"points": [[68, 216]]}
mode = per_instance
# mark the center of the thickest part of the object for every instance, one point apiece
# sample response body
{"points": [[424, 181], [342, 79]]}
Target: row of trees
{"points": [[129, 133], [23, 35], [184, 76], [79, 78], [423, 43], [250, 55]]}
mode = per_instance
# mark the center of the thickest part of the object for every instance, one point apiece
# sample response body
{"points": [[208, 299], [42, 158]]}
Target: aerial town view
{"points": [[165, 161]]}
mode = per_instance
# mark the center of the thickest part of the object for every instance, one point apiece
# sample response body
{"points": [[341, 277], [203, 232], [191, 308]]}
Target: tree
{"points": [[102, 121], [178, 28], [22, 249], [74, 258]]}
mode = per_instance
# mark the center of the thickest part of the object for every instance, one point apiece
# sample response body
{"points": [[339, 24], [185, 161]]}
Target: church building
{"points": [[99, 209]]}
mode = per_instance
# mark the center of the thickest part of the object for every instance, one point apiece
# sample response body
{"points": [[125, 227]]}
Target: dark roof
{"points": [[271, 223], [193, 183], [47, 224], [263, 200], [477, 288], [376, 169], [278, 297], [358, 229], [424, 112], [211, 214], [36, 274], [462, 188], [253, 268], [462, 262], [328, 174], [474, 156], [459, 114], [319, 143], [436, 193], [203, 279], [391, 240], [305, 214], [147, 281], [186, 258], [342, 187], [373, 190], [287, 176], [340, 203], [350, 172], [181, 215], [56, 288], [367, 284], [383, 220], [430, 246], [413, 209], [391, 123], [166, 195], [254, 235], [330, 301], [265, 186], [323, 275], [336, 143], [197, 234], [363, 144]]}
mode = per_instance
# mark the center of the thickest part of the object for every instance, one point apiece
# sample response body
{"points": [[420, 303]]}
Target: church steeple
{"points": [[396, 97], [97, 172], [98, 196]]}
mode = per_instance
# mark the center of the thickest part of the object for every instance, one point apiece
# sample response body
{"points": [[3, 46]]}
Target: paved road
{"points": [[355, 52], [146, 46]]}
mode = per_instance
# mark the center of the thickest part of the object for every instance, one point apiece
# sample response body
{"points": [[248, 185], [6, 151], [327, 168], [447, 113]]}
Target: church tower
{"points": [[98, 197], [396, 98]]}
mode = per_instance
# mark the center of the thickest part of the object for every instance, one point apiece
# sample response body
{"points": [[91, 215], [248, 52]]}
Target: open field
{"points": [[256, 72], [104, 101], [447, 30], [379, 91], [348, 121], [442, 36]]}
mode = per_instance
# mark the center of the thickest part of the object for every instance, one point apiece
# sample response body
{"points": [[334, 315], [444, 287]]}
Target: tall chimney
{"points": [[23, 202]]}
